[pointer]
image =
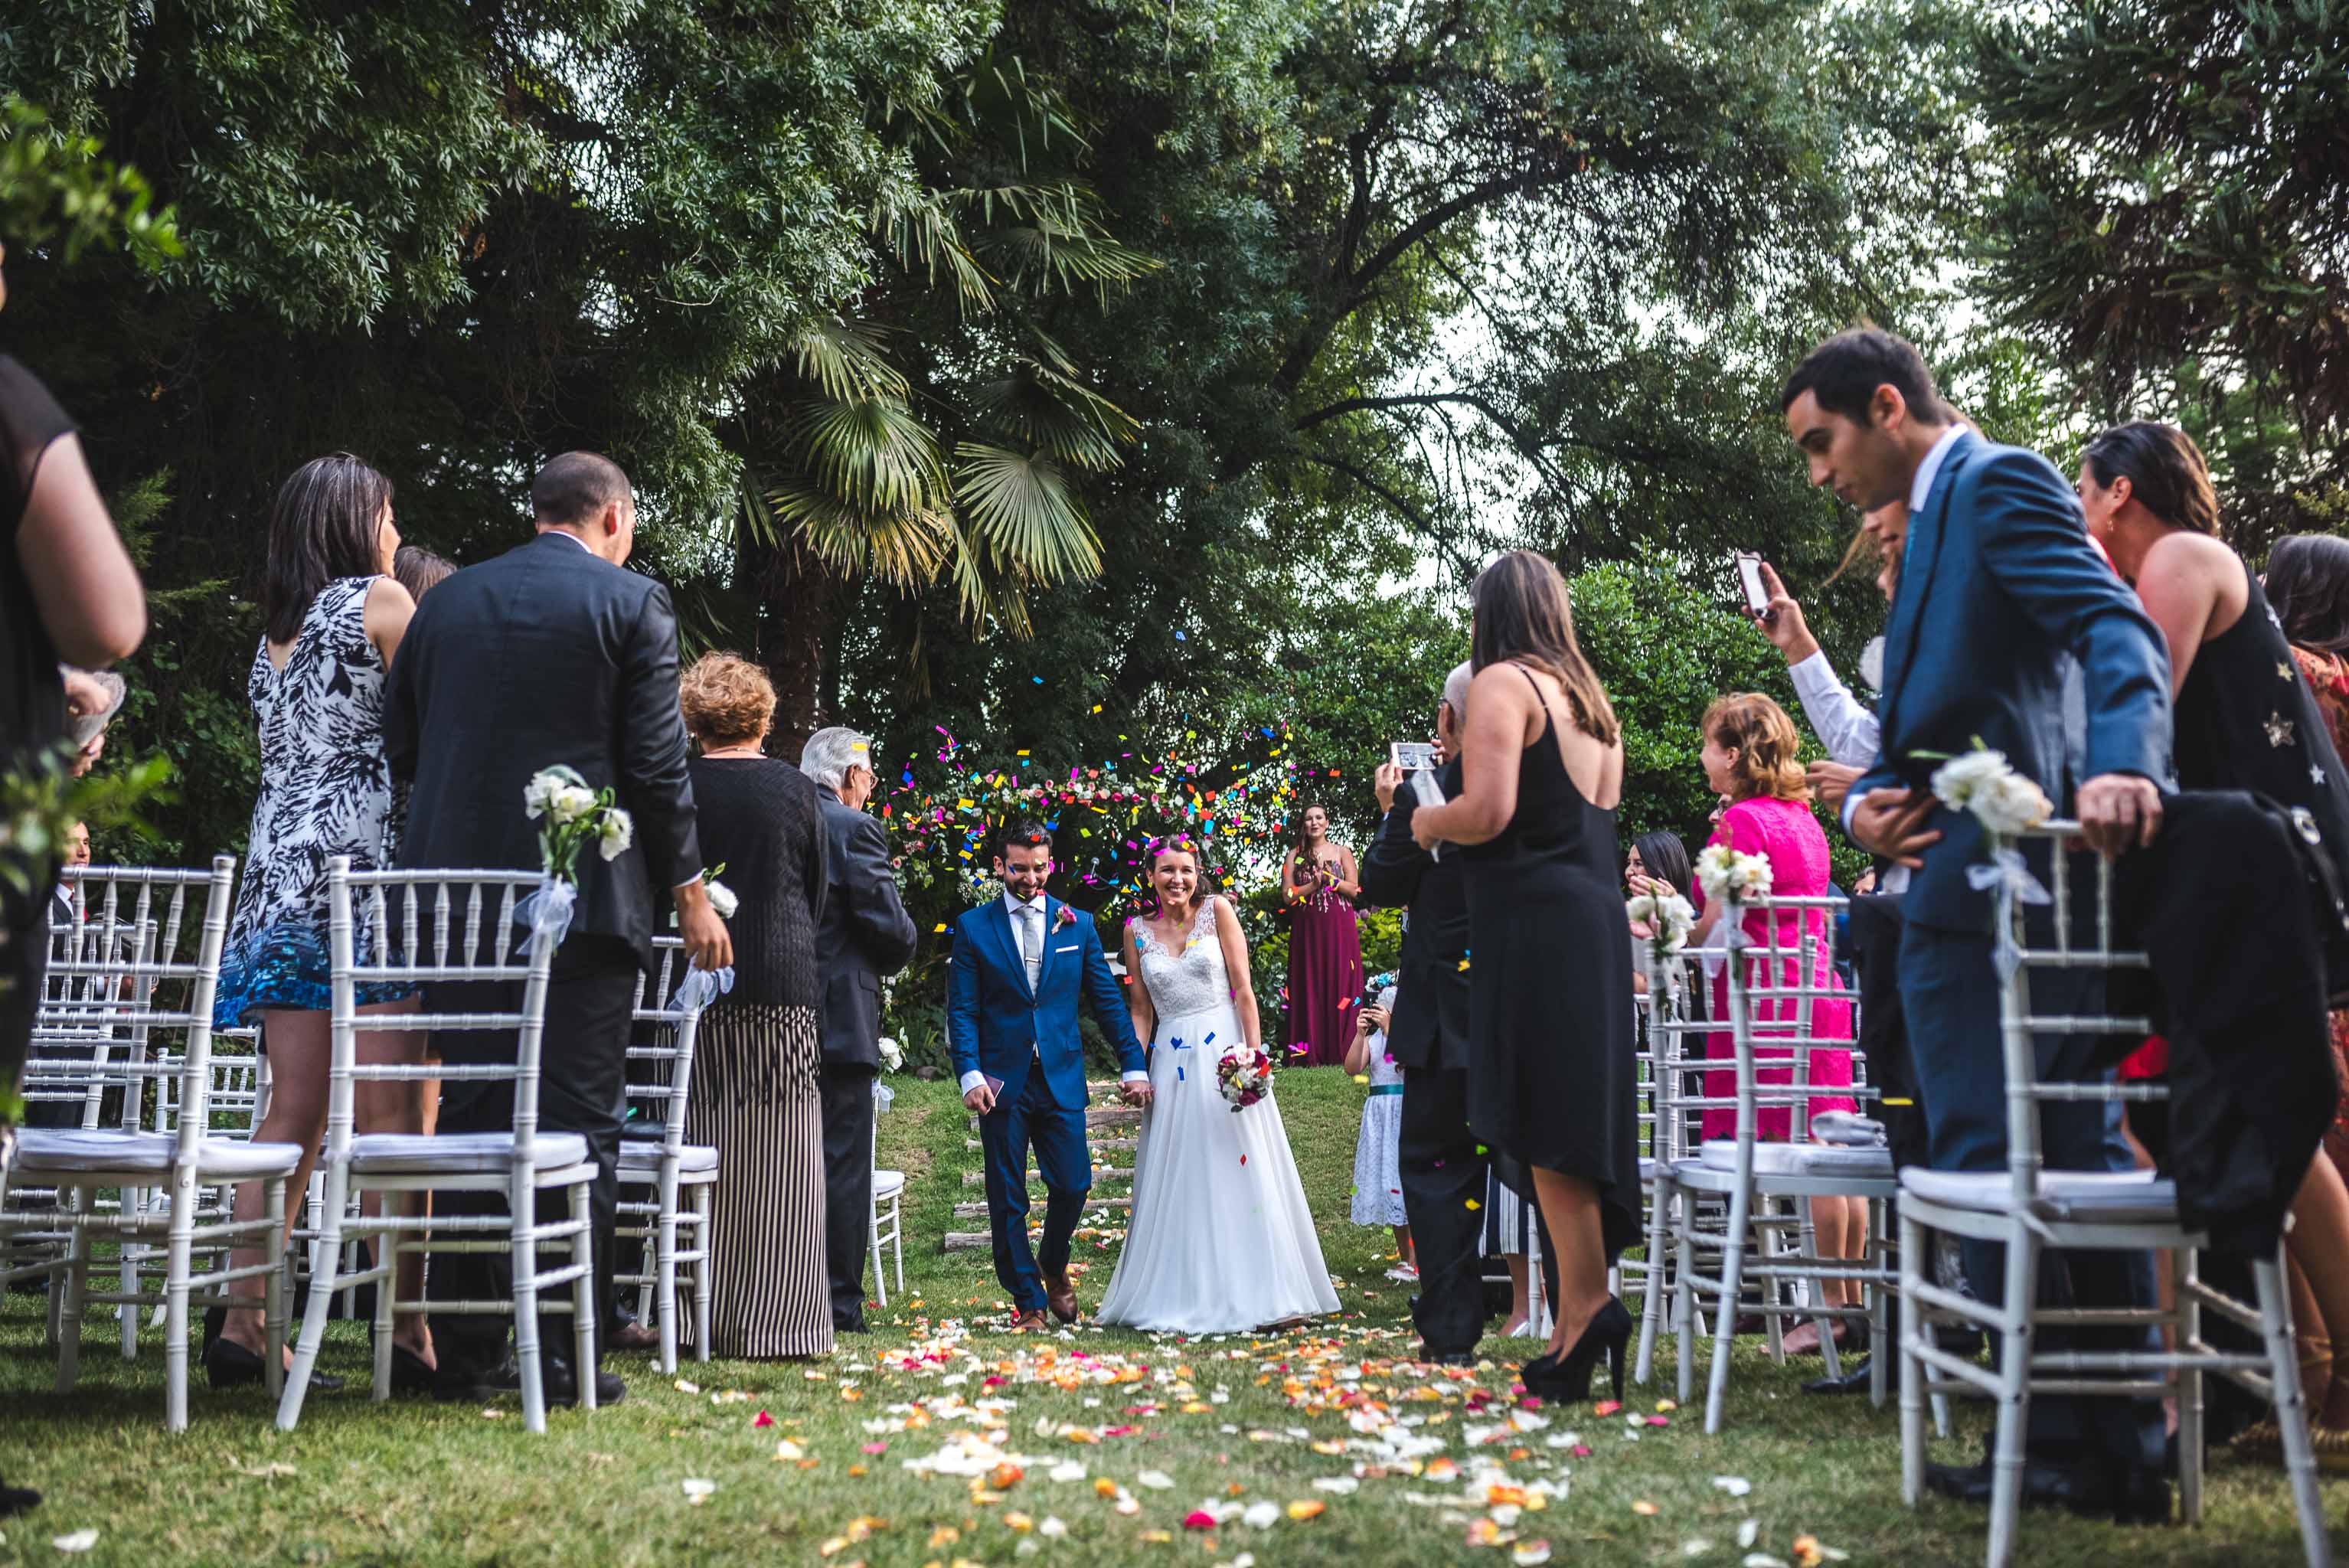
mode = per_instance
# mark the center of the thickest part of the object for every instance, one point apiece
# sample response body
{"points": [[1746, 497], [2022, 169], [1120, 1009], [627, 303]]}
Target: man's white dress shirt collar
{"points": [[1930, 468], [572, 536]]}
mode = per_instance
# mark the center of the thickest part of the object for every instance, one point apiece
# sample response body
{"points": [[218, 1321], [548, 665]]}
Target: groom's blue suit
{"points": [[997, 1025]]}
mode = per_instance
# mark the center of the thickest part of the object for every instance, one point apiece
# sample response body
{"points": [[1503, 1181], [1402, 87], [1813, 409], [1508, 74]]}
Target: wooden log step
{"points": [[970, 1242], [1100, 1174], [1095, 1115], [1093, 1204]]}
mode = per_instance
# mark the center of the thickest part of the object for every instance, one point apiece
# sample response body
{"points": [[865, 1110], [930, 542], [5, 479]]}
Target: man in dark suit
{"points": [[552, 652], [1442, 1166], [865, 938], [1998, 583]]}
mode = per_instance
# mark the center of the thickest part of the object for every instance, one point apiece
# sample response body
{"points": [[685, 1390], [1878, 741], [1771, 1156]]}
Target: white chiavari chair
{"points": [[165, 994], [2030, 1210], [1772, 975], [659, 1158], [439, 927], [888, 1223]]}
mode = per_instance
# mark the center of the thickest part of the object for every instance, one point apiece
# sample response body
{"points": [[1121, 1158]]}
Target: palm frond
{"points": [[924, 232], [1039, 406], [869, 453], [905, 549], [847, 361], [1019, 508]]}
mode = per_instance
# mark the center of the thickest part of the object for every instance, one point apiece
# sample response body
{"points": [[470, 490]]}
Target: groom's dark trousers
{"points": [[1057, 1135]]}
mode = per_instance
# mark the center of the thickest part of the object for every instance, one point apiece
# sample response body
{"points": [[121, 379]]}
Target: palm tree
{"points": [[936, 433]]}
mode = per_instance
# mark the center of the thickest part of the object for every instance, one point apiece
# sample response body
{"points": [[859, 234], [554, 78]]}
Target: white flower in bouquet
{"points": [[538, 794], [893, 1055], [1641, 909], [571, 802], [2010, 804], [721, 897], [1751, 874], [1676, 917], [1714, 865], [1956, 781], [615, 833]]}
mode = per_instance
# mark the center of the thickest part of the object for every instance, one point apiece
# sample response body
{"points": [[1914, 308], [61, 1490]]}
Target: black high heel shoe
{"points": [[228, 1364], [1568, 1380]]}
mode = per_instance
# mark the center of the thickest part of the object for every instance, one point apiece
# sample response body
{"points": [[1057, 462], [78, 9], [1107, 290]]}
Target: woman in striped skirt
{"points": [[754, 1068], [1510, 1235]]}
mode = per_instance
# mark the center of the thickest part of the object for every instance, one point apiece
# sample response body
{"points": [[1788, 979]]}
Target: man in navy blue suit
{"points": [[1998, 585], [1020, 963]]}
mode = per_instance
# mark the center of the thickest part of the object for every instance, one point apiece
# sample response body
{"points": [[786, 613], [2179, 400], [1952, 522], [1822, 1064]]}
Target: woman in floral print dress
{"points": [[332, 620]]}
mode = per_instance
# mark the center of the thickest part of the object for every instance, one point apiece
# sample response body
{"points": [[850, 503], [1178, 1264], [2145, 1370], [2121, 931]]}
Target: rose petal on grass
{"points": [[1156, 1480], [1734, 1485], [1748, 1532], [696, 1490], [79, 1541], [1307, 1507], [1645, 1509], [1529, 1553]]}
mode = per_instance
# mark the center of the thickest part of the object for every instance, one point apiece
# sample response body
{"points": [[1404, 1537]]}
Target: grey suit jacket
{"points": [[865, 938]]}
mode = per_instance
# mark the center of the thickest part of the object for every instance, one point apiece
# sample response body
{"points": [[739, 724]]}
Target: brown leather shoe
{"points": [[1061, 1296], [1028, 1322], [634, 1336]]}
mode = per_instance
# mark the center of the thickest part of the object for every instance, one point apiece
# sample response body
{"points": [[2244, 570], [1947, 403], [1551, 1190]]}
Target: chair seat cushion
{"points": [[644, 1155], [77, 1151], [887, 1184], [2111, 1195], [459, 1153], [1799, 1159]]}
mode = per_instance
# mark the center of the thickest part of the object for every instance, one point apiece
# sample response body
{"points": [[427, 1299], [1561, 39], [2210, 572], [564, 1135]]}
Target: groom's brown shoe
{"points": [[1028, 1322], [1061, 1296]]}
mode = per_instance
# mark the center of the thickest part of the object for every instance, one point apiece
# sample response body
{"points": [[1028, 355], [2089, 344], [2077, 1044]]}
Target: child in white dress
{"points": [[1378, 1188]]}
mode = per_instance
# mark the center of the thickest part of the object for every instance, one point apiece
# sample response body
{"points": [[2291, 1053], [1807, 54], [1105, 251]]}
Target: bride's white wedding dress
{"points": [[1220, 1239]]}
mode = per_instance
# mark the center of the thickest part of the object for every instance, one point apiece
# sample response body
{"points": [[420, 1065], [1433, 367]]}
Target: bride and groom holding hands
{"points": [[1219, 1238]]}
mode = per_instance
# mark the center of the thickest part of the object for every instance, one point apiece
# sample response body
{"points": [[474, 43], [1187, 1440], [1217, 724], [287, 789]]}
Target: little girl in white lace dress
{"points": [[1378, 1185]]}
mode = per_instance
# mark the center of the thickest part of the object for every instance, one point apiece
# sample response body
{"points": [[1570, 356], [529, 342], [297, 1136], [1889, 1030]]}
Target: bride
{"points": [[1220, 1240]]}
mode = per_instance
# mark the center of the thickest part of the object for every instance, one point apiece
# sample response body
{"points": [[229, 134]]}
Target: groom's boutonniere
{"points": [[1067, 918]]}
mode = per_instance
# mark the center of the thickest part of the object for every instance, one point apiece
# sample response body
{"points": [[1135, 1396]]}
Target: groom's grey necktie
{"points": [[1031, 941]]}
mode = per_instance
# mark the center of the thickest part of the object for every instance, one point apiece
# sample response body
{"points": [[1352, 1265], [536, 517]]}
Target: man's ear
{"points": [[1886, 408]]}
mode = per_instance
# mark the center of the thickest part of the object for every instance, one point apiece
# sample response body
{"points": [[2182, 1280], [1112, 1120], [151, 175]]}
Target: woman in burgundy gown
{"points": [[1325, 943]]}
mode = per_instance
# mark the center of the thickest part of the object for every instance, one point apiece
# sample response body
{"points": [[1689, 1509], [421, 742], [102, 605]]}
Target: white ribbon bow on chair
{"points": [[700, 987], [548, 910], [2007, 877]]}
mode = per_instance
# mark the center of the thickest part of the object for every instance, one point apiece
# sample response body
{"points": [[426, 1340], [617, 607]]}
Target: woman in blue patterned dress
{"points": [[332, 619]]}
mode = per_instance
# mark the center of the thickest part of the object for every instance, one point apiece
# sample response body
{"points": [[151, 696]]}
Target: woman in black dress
{"points": [[1552, 1087], [2246, 720], [753, 1096]]}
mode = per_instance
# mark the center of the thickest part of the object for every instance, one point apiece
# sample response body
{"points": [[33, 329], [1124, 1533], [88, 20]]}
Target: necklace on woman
{"points": [[747, 750]]}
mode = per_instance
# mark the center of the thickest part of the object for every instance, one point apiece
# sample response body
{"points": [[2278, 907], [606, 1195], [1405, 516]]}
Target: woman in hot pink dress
{"points": [[1749, 758]]}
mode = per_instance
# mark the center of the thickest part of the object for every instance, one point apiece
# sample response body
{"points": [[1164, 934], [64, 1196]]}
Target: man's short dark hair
{"points": [[1025, 835], [576, 488], [1844, 372]]}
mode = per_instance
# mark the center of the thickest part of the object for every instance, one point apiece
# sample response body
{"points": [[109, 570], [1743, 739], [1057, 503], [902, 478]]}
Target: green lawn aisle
{"points": [[901, 1450]]}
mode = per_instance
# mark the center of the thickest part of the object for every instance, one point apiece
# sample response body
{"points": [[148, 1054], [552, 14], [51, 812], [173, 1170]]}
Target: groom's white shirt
{"points": [[1026, 918]]}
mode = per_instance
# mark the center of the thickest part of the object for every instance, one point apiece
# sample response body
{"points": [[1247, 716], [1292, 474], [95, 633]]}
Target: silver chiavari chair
{"points": [[1772, 976], [439, 927], [2030, 1210], [162, 994], [660, 1159], [886, 1226]]}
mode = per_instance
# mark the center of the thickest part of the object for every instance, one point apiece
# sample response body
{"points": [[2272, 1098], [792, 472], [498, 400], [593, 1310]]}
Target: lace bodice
{"points": [[1186, 983]]}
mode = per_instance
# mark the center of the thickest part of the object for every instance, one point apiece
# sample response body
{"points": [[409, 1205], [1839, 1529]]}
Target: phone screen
{"points": [[1749, 577], [1412, 756]]}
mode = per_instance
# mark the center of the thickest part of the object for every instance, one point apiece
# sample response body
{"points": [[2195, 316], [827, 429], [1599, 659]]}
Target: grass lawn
{"points": [[1115, 1437]]}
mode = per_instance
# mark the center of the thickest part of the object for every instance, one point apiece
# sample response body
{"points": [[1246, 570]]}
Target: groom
{"points": [[1011, 1028]]}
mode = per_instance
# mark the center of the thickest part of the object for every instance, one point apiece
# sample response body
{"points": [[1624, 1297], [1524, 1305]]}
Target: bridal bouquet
{"points": [[1243, 1077], [1982, 781], [570, 816], [1723, 871]]}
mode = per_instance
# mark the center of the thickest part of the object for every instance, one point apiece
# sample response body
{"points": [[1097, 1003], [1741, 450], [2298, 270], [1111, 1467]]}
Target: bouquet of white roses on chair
{"points": [[1243, 1077], [570, 816], [1723, 872], [1983, 782], [1669, 918]]}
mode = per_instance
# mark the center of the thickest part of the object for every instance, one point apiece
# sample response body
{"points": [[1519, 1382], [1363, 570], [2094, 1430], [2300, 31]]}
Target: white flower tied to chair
{"points": [[2006, 803], [569, 816], [1668, 919], [1736, 876]]}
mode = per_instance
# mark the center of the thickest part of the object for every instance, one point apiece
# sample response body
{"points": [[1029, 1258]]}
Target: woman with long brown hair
{"points": [[1552, 1086]]}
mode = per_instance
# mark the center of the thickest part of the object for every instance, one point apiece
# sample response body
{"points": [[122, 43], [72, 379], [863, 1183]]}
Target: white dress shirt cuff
{"points": [[1851, 804], [1133, 1078], [971, 1080]]}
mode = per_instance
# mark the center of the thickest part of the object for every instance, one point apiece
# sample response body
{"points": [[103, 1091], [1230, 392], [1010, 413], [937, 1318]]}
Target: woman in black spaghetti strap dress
{"points": [[1552, 1076], [2246, 720]]}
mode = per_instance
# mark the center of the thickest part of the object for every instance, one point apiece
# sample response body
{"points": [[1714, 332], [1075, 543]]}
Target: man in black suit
{"points": [[1444, 1168], [865, 938], [550, 653]]}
